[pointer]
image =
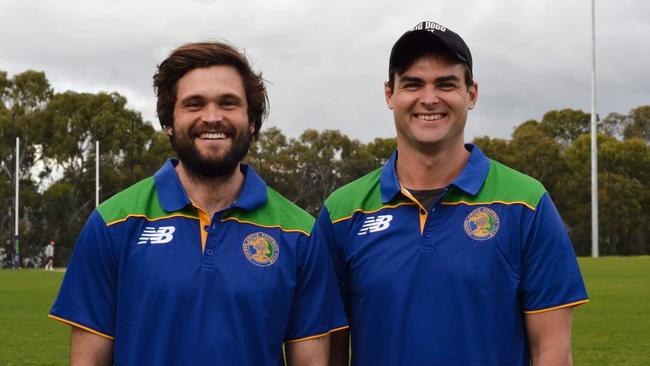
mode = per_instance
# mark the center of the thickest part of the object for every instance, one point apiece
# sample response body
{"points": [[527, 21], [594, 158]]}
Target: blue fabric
{"points": [[440, 297], [171, 304]]}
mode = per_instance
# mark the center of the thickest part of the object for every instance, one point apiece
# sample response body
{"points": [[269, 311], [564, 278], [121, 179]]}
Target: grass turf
{"points": [[613, 329], [27, 335]]}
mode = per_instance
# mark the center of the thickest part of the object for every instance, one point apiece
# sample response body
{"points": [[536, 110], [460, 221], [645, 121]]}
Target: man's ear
{"points": [[169, 130], [473, 95], [388, 94]]}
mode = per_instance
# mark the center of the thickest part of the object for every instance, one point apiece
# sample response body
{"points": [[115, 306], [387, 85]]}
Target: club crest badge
{"points": [[482, 224], [261, 249]]}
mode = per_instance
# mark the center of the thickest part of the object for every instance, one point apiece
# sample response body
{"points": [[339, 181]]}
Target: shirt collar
{"points": [[470, 179], [474, 173], [173, 197]]}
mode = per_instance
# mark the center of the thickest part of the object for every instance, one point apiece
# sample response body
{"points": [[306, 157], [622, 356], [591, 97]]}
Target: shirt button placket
{"points": [[427, 233], [209, 258]]}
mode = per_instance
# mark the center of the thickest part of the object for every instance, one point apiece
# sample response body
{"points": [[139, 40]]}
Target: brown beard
{"points": [[201, 168]]}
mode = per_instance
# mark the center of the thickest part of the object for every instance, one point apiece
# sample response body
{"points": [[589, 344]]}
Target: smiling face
{"points": [[211, 132], [430, 102]]}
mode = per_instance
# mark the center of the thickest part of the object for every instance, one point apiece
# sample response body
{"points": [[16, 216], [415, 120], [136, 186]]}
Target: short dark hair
{"points": [[441, 52], [192, 56]]}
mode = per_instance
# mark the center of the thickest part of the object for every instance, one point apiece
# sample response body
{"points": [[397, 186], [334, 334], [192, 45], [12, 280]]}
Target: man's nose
{"points": [[212, 113], [429, 95]]}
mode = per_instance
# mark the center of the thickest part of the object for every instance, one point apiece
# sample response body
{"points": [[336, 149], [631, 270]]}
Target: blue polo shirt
{"points": [[449, 286], [172, 286]]}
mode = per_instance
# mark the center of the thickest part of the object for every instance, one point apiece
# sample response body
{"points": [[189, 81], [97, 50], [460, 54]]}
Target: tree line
{"points": [[57, 165]]}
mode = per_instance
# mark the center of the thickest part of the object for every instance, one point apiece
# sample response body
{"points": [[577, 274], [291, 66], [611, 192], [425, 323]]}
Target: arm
{"points": [[550, 286], [549, 334], [340, 348], [89, 349], [313, 352]]}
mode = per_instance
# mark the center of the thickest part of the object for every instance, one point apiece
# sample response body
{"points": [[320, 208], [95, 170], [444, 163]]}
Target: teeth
{"points": [[430, 117], [213, 135]]}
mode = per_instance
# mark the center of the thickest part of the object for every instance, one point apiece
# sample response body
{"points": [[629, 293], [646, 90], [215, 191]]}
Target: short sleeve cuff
{"points": [[567, 305], [317, 335], [75, 324]]}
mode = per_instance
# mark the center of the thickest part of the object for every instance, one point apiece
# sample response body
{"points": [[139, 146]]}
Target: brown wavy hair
{"points": [[192, 56]]}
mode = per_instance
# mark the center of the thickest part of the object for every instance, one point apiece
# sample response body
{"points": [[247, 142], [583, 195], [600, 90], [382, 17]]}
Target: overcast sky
{"points": [[326, 61]]}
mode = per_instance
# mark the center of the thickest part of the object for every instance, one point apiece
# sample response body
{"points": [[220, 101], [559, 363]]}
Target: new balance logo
{"points": [[374, 224], [162, 235]]}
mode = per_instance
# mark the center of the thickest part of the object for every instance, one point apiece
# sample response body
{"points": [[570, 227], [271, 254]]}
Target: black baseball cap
{"points": [[428, 37]]}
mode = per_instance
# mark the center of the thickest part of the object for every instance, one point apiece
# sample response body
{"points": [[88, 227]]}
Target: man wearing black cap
{"points": [[444, 256]]}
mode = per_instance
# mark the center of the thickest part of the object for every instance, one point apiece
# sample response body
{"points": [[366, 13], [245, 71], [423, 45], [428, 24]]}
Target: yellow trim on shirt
{"points": [[569, 305], [373, 211], [317, 335], [423, 216], [204, 220], [489, 203], [80, 326], [265, 226], [149, 218]]}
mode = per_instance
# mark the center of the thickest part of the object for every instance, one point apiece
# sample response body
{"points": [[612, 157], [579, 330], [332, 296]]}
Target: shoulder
{"points": [[504, 185], [138, 199], [362, 194], [510, 185], [277, 212]]}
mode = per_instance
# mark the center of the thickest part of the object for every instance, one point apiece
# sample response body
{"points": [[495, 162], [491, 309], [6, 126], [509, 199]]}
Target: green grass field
{"points": [[613, 329], [27, 335]]}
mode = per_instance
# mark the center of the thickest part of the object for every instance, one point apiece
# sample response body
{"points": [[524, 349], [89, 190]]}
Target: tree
{"points": [[497, 149], [537, 155], [566, 125], [21, 97], [624, 198], [531, 151], [271, 158], [326, 160], [628, 166], [64, 133], [307, 169], [614, 125], [381, 149], [639, 125]]}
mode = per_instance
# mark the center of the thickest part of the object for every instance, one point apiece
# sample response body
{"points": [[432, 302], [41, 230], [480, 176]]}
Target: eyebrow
{"points": [[190, 98], [441, 79], [409, 79], [194, 97]]}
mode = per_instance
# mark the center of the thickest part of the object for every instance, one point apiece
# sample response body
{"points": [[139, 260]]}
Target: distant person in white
{"points": [[49, 253]]}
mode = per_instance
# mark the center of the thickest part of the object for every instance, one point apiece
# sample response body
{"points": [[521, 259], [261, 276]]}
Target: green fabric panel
{"points": [[503, 184], [139, 199], [277, 211], [363, 194]]}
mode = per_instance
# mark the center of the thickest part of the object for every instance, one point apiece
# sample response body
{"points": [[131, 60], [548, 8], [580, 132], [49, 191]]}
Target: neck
{"points": [[430, 169], [211, 194]]}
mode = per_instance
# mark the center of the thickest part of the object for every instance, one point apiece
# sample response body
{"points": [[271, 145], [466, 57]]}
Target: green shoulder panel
{"points": [[141, 199], [276, 212], [363, 194], [503, 185]]}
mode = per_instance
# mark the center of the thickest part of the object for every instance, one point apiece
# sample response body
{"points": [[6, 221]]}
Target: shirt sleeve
{"points": [[551, 277], [334, 242], [316, 309], [88, 292]]}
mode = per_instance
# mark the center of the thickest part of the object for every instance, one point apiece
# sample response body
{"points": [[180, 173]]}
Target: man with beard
{"points": [[201, 263]]}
